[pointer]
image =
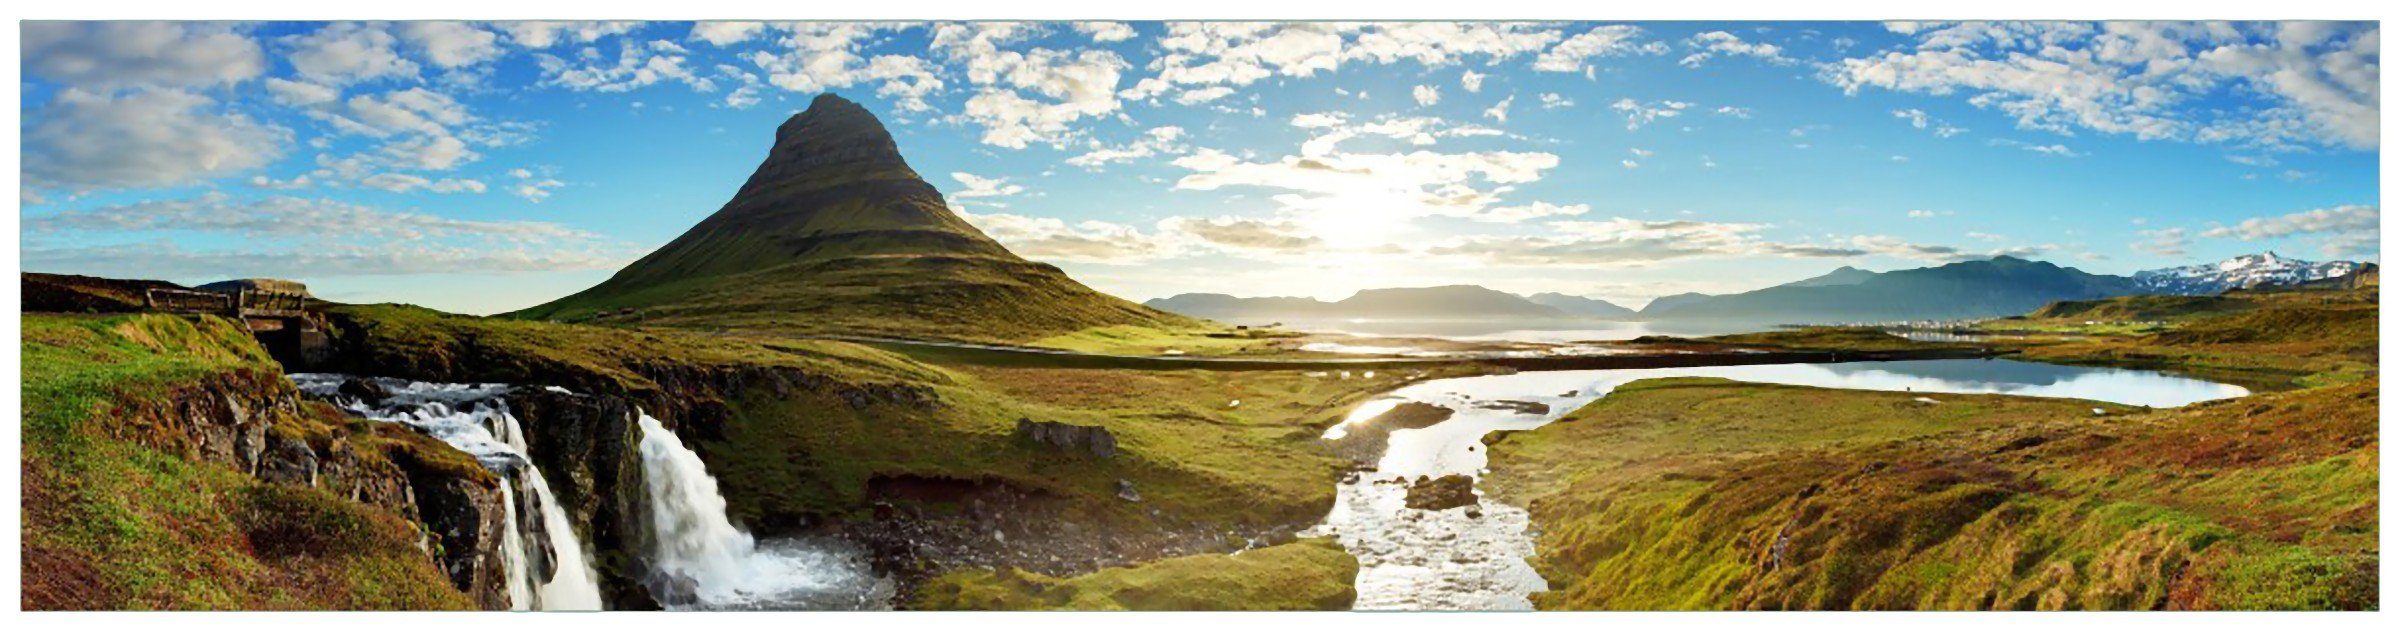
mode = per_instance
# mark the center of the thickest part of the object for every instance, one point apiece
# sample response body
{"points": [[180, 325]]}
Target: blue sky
{"points": [[481, 167]]}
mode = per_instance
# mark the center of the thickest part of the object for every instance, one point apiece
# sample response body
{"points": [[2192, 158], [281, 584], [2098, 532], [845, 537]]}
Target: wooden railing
{"points": [[241, 303], [167, 300]]}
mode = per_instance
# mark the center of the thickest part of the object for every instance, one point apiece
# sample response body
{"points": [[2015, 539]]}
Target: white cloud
{"points": [[1472, 81], [1615, 40], [534, 186], [2164, 242], [451, 44], [1499, 111], [545, 34], [1928, 214], [1245, 235], [2151, 80], [1553, 100], [1713, 43], [82, 141], [167, 259], [347, 52], [1427, 95], [1105, 32], [301, 93], [726, 33], [2341, 231], [289, 217], [1050, 239], [1071, 85], [979, 186], [1353, 199], [96, 55], [1638, 114], [636, 65], [1158, 140], [1199, 54], [404, 183]]}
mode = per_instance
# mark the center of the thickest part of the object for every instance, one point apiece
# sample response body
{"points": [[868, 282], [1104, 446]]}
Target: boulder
{"points": [[1436, 494]]}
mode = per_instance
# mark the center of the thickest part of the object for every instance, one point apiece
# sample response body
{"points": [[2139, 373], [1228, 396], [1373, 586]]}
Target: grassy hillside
{"points": [[1705, 494], [120, 513], [2141, 308], [2261, 503], [2285, 339], [1304, 575]]}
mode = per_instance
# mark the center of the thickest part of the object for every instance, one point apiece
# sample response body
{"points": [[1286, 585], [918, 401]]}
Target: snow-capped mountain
{"points": [[2239, 272]]}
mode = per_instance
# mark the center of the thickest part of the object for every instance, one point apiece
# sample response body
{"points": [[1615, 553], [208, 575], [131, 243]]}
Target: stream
{"points": [[1445, 560]]}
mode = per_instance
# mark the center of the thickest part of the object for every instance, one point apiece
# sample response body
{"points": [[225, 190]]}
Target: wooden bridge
{"points": [[277, 316]]}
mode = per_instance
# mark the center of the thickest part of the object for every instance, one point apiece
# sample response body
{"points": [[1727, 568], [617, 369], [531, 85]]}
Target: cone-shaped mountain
{"points": [[834, 233]]}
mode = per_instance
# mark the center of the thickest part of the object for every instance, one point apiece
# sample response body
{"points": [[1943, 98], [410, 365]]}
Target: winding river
{"points": [[1444, 560]]}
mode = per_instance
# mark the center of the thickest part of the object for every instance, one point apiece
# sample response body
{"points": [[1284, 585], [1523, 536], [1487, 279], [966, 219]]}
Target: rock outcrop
{"points": [[254, 422], [1092, 440], [589, 447]]}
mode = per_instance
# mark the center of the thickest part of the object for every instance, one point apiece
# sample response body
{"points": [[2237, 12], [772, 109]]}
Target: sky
{"points": [[485, 167]]}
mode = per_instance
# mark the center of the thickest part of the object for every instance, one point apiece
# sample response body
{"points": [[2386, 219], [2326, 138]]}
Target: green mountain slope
{"points": [[836, 234]]}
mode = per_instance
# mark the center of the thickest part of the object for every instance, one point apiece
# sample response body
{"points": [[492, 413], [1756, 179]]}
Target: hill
{"points": [[834, 233], [2000, 286], [1424, 303]]}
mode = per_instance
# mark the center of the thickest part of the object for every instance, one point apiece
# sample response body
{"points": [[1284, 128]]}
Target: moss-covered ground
{"points": [[117, 517], [1304, 575]]}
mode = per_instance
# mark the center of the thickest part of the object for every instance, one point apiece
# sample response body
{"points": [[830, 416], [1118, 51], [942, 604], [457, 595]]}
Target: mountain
{"points": [[1449, 302], [1672, 302], [1581, 306], [834, 233], [2244, 271], [2000, 286], [1844, 275]]}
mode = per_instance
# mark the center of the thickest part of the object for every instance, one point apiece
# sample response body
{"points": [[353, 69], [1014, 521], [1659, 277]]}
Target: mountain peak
{"points": [[834, 232], [835, 138]]}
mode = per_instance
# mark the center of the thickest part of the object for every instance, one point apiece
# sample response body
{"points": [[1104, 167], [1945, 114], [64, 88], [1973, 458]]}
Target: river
{"points": [[1444, 560]]}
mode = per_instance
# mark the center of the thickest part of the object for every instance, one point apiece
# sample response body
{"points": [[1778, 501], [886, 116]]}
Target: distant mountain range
{"points": [[2244, 271], [1449, 302], [1582, 306], [2000, 286]]}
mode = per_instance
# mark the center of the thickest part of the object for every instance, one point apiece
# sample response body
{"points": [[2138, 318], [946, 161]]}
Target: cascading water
{"points": [[701, 560], [475, 419]]}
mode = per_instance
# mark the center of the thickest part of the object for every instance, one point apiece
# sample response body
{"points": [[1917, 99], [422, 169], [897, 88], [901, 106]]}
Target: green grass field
{"points": [[119, 514]]}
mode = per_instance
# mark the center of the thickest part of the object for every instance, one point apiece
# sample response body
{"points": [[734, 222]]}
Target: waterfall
{"points": [[702, 560], [475, 419]]}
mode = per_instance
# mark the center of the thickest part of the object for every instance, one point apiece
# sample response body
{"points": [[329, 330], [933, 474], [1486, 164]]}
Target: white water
{"points": [[1424, 560], [485, 430], [699, 548]]}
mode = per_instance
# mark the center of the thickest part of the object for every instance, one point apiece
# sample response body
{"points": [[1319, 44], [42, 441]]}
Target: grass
{"points": [[1707, 494], [796, 444], [2285, 340], [119, 514], [1201, 339], [1304, 575]]}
